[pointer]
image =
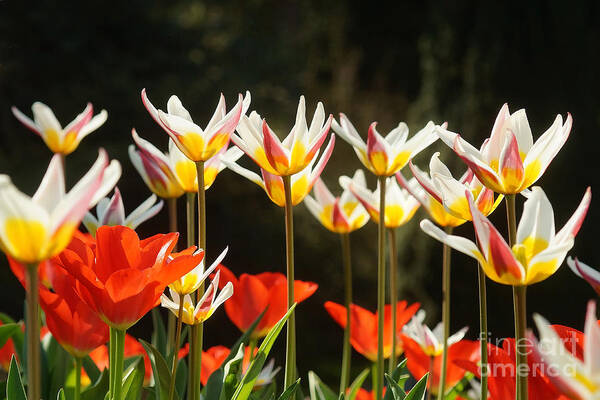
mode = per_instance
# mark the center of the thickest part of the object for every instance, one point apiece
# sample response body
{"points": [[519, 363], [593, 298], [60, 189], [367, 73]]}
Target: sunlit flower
{"points": [[196, 143], [112, 212], [400, 205], [384, 156], [123, 277], [363, 326], [191, 281], [423, 350], [509, 162], [342, 214], [575, 377], [39, 227], [58, 139], [290, 156], [254, 293], [538, 252], [450, 192], [586, 272], [197, 314]]}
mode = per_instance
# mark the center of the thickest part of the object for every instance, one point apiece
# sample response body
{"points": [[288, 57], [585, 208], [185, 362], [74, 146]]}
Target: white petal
{"points": [[537, 221], [111, 176], [52, 188]]}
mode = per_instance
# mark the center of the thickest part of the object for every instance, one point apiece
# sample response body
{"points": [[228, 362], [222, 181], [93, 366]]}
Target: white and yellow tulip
{"points": [[191, 281], [430, 341]]}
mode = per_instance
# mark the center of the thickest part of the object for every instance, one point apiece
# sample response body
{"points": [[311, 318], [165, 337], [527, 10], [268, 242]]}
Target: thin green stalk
{"points": [[176, 348], [483, 332], [520, 310], [32, 325], [191, 240], [111, 362], [446, 265], [393, 295], [119, 359], [380, 288], [172, 205], [346, 350], [290, 354], [77, 394]]}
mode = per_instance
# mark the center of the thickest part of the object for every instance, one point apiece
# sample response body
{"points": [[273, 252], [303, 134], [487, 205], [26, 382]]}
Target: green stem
{"points": [[346, 350], [446, 261], [111, 362], [172, 205], [380, 288], [32, 325], [252, 347], [393, 295], [520, 310], [119, 359], [290, 355], [483, 332], [77, 394], [176, 348], [191, 240]]}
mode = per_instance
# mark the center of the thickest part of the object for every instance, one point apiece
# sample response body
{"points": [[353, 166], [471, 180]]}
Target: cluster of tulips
{"points": [[84, 290]]}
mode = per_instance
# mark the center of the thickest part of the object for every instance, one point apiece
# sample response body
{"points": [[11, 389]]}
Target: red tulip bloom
{"points": [[6, 353], [123, 277], [363, 326], [252, 294], [211, 361]]}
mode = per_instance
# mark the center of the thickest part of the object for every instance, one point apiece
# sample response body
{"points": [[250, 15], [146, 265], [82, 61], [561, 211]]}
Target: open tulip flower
{"points": [[342, 214], [423, 349], [400, 205], [254, 293], [123, 277], [586, 272], [363, 326], [446, 190], [112, 212], [39, 227], [295, 152], [539, 250], [509, 162], [196, 143], [194, 315], [384, 156], [191, 281], [58, 139]]}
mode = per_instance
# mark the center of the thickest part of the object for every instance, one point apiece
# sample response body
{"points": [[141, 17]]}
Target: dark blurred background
{"points": [[454, 61]]}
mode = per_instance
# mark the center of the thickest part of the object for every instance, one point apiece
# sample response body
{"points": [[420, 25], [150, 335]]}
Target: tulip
{"points": [[196, 143], [252, 294], [384, 156], [112, 212], [539, 251], [58, 139], [364, 323], [191, 281], [509, 162], [586, 272], [6, 353]]}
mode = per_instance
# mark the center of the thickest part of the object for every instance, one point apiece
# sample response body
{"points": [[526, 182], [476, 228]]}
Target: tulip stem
{"points": [[290, 355], [118, 365], [32, 326], [77, 394], [172, 205], [346, 350], [393, 295], [520, 309], [446, 269], [483, 331], [111, 362], [380, 288], [190, 208], [176, 347]]}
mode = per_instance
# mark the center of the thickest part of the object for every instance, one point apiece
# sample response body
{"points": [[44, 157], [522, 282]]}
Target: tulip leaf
{"points": [[244, 338], [61, 395], [14, 385], [232, 372], [18, 337], [418, 391], [399, 376], [319, 390], [459, 389], [245, 387], [181, 378], [133, 379], [160, 369], [6, 332], [159, 334], [394, 388], [90, 368], [290, 391], [98, 389], [357, 384], [58, 364]]}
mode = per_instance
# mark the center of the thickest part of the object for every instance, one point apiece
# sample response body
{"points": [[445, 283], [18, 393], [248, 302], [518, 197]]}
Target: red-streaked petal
{"points": [[510, 166], [276, 154]]}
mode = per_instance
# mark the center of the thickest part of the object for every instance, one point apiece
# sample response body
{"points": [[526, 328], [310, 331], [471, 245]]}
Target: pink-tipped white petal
{"points": [[110, 177], [93, 124], [25, 120], [52, 188], [316, 172], [44, 118], [458, 243], [571, 228], [424, 180], [537, 221], [586, 272]]}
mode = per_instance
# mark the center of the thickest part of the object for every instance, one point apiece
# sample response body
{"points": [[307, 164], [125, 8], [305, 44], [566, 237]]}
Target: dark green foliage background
{"points": [[455, 61]]}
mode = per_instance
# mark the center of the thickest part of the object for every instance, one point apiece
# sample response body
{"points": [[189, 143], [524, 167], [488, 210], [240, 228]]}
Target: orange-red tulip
{"points": [[123, 277], [253, 293], [363, 327]]}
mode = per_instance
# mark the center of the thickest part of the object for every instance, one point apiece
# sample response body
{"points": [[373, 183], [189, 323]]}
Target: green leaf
{"points": [[357, 384], [393, 387], [245, 387], [61, 395], [6, 331], [90, 368], [98, 389], [133, 379], [318, 390], [400, 376], [460, 388], [232, 372], [14, 385], [212, 390], [58, 363], [244, 338], [160, 369], [181, 378], [418, 391], [290, 391], [159, 334]]}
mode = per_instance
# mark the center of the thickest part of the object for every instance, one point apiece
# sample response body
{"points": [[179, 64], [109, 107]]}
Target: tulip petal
{"points": [[586, 272], [25, 120], [458, 243], [571, 228]]}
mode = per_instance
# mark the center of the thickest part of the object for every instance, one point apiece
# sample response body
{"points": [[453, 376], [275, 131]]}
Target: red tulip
{"points": [[252, 294], [123, 277], [6, 353], [211, 361], [363, 326]]}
